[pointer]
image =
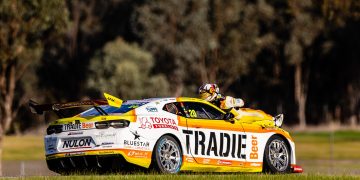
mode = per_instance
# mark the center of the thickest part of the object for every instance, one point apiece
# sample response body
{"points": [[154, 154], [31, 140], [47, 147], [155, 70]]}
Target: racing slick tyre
{"points": [[167, 156], [276, 156]]}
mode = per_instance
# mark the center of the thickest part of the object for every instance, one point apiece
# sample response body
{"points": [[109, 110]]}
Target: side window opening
{"points": [[213, 113], [202, 111], [174, 108]]}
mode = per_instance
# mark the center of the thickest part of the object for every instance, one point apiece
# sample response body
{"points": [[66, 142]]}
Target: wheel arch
{"points": [[171, 135], [291, 146], [286, 140], [175, 137]]}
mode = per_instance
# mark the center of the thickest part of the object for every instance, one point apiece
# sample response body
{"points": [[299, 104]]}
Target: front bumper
{"points": [[296, 169]]}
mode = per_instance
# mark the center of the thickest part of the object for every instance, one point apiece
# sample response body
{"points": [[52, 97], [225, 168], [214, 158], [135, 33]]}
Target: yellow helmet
{"points": [[208, 92]]}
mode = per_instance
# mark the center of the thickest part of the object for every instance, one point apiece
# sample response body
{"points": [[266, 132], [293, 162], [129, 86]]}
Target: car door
{"points": [[211, 139]]}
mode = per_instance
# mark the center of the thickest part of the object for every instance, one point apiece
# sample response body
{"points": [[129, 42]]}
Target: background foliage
{"points": [[300, 58], [120, 67]]}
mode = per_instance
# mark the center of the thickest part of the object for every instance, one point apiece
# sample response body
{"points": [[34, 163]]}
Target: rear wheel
{"points": [[277, 156], [168, 155]]}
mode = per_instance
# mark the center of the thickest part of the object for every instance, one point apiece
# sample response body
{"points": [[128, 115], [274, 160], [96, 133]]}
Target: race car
{"points": [[166, 134]]}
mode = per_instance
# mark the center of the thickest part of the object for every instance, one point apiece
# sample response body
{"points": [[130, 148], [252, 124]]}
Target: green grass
{"points": [[199, 177], [23, 148], [339, 136], [324, 145]]}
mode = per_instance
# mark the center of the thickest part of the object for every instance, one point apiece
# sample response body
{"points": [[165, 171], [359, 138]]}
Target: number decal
{"points": [[192, 113]]}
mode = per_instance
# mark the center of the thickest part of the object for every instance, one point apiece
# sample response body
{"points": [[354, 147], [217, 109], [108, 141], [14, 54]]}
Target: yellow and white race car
{"points": [[166, 134]]}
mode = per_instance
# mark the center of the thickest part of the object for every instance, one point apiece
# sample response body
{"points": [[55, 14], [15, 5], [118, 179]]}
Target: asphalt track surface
{"points": [[39, 168]]}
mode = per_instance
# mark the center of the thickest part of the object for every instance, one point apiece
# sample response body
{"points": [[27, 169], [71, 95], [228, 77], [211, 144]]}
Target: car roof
{"points": [[141, 101], [162, 101], [170, 99]]}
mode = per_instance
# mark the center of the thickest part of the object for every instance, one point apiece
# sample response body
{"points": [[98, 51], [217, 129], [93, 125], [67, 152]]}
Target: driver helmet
{"points": [[208, 92]]}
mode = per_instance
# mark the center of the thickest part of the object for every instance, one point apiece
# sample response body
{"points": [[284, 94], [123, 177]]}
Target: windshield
{"points": [[126, 107]]}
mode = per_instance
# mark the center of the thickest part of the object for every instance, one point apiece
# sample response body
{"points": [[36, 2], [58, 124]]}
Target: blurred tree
{"points": [[238, 35], [338, 11], [310, 50], [306, 25], [175, 32], [24, 25], [277, 54], [202, 41], [124, 70], [343, 20], [92, 25]]}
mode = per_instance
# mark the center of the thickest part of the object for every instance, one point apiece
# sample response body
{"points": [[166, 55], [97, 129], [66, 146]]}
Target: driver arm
{"points": [[230, 102]]}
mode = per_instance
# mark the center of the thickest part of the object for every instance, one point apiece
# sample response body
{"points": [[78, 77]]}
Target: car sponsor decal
{"points": [[50, 143], [105, 139], [254, 148], [138, 154], [136, 135], [254, 164], [220, 162], [224, 162], [126, 152], [87, 125], [189, 159], [157, 122], [105, 135], [192, 113], [74, 154], [145, 123], [77, 126], [74, 133], [218, 144], [77, 143], [106, 143], [206, 161], [71, 126], [151, 109], [136, 144]]}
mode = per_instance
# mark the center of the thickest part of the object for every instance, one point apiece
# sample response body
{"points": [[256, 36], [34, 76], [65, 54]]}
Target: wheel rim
{"points": [[169, 154], [278, 155]]}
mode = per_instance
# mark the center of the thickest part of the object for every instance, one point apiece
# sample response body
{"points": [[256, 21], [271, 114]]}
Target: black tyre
{"points": [[277, 156], [167, 156]]}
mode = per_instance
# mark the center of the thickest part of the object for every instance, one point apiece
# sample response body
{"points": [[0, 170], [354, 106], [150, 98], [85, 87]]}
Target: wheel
{"points": [[167, 155], [276, 156]]}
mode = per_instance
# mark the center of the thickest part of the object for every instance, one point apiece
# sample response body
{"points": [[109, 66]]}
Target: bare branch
{"points": [[21, 69], [22, 102], [3, 79]]}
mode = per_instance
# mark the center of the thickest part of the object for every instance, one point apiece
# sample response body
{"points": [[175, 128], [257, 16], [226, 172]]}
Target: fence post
{"points": [[22, 168]]}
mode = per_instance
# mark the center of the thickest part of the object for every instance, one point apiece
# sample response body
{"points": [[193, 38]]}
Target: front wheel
{"points": [[168, 155], [276, 156]]}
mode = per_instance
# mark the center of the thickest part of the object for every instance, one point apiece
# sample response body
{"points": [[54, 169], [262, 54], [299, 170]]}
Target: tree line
{"points": [[297, 57]]}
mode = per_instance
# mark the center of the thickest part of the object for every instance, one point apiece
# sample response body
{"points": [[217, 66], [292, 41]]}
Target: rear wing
{"points": [[57, 107]]}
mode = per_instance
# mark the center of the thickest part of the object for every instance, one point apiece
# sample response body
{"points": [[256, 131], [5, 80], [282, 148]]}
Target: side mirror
{"points": [[228, 116]]}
